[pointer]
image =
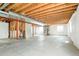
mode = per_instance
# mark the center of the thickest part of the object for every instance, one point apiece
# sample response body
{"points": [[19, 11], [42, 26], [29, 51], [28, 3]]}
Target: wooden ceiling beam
{"points": [[54, 20], [58, 22], [9, 7], [1, 4], [44, 8], [34, 8], [47, 13], [56, 12], [23, 7], [57, 16], [53, 9], [13, 6]]}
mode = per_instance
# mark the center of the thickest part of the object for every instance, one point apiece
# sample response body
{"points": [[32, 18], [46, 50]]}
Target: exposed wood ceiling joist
{"points": [[34, 8], [54, 9], [42, 8], [1, 4], [13, 6], [56, 12], [23, 7], [56, 17], [49, 13]]}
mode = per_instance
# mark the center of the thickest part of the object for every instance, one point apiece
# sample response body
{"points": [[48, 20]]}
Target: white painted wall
{"points": [[74, 34], [40, 30], [59, 29], [28, 30], [3, 30]]}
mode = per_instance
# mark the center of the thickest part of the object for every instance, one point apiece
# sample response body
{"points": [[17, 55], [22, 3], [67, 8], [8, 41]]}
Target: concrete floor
{"points": [[39, 46]]}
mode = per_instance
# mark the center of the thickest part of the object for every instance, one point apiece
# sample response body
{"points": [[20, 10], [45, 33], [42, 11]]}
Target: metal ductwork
{"points": [[19, 17], [4, 5], [27, 19], [4, 14]]}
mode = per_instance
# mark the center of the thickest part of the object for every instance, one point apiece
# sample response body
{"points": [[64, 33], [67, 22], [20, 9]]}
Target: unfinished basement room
{"points": [[39, 29]]}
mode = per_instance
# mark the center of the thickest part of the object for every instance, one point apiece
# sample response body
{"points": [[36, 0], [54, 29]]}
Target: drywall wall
{"points": [[59, 29], [3, 30], [28, 30], [39, 30], [74, 34]]}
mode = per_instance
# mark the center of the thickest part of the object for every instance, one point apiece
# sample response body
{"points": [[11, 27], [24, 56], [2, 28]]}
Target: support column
{"points": [[17, 29], [9, 30], [32, 29], [46, 30], [11, 25], [24, 35], [23, 29], [35, 27]]}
